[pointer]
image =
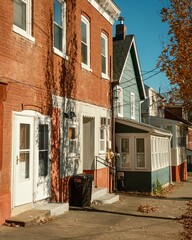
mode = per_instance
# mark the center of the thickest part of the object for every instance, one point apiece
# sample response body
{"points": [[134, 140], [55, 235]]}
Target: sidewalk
{"points": [[120, 220], [172, 206]]}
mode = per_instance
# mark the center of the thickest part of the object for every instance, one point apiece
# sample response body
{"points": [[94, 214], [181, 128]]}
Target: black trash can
{"points": [[81, 190]]}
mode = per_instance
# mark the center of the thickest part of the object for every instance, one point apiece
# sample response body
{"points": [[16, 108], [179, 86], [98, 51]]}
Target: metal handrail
{"points": [[104, 162]]}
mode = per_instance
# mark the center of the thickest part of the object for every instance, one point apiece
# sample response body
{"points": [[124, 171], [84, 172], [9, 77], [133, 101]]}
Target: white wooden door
{"points": [[23, 160]]}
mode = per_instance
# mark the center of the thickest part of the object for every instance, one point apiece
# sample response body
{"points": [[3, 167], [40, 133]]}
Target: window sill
{"points": [[86, 67], [23, 33], [141, 168], [104, 76], [120, 115], [61, 54]]}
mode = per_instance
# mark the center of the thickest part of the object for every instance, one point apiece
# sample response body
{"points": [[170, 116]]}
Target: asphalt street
{"points": [[132, 217]]}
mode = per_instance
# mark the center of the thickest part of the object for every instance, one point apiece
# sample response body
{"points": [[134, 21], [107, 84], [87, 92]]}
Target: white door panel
{"points": [[23, 160]]}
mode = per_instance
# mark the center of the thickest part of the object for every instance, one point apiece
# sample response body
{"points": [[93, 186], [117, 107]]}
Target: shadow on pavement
{"points": [[92, 209]]}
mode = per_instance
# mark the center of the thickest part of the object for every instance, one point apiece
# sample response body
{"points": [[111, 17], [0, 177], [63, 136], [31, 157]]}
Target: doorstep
{"points": [[38, 213]]}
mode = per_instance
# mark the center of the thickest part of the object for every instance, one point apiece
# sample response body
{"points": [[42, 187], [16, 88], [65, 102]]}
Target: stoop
{"points": [[39, 211], [29, 217], [101, 195], [55, 209]]}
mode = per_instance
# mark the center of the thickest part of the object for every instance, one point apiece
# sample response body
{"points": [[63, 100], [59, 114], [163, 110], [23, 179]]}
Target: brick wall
{"points": [[179, 173], [33, 72]]}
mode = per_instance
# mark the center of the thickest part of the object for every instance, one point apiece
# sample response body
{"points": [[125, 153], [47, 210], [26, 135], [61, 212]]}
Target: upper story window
{"points": [[22, 18], [132, 106], [85, 43], [104, 55], [60, 27]]}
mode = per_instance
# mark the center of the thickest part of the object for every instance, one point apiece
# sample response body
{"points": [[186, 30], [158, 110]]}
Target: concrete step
{"points": [[40, 211], [55, 209], [108, 198], [98, 192], [29, 217]]}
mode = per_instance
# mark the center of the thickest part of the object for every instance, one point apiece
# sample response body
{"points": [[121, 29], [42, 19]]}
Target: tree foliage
{"points": [[176, 57]]}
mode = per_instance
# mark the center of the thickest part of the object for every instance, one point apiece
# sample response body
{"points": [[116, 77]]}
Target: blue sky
{"points": [[142, 18]]}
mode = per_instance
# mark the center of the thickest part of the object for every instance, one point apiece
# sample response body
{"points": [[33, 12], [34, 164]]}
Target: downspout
{"points": [[3, 96], [114, 164], [170, 161]]}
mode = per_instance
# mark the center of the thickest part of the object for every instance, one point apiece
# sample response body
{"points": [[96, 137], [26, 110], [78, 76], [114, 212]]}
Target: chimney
{"points": [[121, 29]]}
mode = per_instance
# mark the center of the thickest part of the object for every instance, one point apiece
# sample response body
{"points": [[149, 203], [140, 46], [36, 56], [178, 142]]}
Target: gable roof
{"points": [[121, 50]]}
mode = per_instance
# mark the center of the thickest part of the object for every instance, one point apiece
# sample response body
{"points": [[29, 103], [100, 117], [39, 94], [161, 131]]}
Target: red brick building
{"points": [[55, 97]]}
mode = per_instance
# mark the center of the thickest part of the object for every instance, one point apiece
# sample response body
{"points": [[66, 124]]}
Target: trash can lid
{"points": [[83, 175]]}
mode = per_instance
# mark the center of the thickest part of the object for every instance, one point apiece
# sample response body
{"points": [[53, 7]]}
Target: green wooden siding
{"points": [[143, 181], [129, 85]]}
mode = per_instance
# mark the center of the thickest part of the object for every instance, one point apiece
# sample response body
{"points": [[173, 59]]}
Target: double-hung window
{"points": [[72, 136], [132, 106], [85, 43], [119, 101], [22, 20], [103, 135], [140, 152], [60, 27], [104, 55]]}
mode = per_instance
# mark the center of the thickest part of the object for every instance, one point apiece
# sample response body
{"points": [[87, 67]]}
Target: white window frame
{"points": [[61, 53], [105, 55], [119, 101], [105, 128], [87, 23], [140, 153], [48, 147], [28, 32], [132, 106]]}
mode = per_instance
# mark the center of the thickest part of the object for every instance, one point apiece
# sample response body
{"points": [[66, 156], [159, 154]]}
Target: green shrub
{"points": [[157, 187]]}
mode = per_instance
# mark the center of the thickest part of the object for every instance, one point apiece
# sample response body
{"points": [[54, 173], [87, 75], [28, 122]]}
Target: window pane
{"points": [[125, 145], [24, 136], [71, 133], [20, 14], [103, 47], [83, 32], [58, 37], [43, 163], [103, 59], [140, 145], [84, 53], [72, 146], [24, 165], [102, 134], [140, 160], [102, 145], [58, 13], [43, 137]]}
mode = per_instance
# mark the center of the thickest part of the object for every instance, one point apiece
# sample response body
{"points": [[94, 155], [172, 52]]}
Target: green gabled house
{"points": [[144, 152]]}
